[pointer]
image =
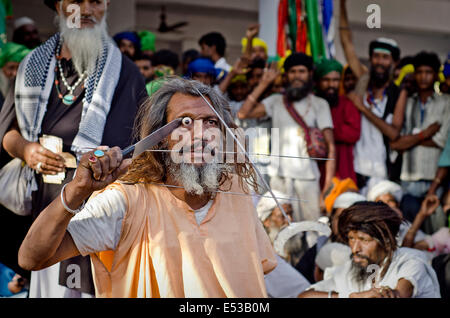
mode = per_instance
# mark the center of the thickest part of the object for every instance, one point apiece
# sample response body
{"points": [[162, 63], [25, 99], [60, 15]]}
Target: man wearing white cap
{"points": [[26, 33], [376, 98], [409, 235], [271, 216]]}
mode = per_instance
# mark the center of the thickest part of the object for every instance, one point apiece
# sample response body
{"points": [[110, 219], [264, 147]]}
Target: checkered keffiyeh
{"points": [[34, 83]]}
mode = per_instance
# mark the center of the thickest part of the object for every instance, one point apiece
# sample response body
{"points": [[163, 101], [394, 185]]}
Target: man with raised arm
{"points": [[168, 228]]}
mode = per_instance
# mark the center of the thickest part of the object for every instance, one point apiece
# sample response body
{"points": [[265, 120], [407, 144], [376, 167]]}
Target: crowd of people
{"points": [[359, 150]]}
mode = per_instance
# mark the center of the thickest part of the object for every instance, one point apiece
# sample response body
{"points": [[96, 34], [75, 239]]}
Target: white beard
{"points": [[197, 180], [85, 45]]}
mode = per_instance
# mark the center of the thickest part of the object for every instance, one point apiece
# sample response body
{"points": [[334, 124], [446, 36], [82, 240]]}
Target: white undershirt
{"points": [[370, 151], [202, 212]]}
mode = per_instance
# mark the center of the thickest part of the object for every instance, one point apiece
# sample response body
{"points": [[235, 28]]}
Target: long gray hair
{"points": [[150, 166]]}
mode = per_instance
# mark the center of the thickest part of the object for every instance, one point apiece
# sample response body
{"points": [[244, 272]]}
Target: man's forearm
{"points": [[429, 143], [347, 43], [384, 127], [48, 230], [249, 47], [14, 143], [441, 174], [330, 165], [252, 101], [407, 142], [317, 294], [330, 169], [226, 82]]}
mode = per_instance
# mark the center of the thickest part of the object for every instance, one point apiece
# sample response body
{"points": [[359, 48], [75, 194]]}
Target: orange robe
{"points": [[163, 252]]}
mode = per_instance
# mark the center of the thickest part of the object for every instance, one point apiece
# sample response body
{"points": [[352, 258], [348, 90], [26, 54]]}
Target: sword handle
{"points": [[127, 151]]}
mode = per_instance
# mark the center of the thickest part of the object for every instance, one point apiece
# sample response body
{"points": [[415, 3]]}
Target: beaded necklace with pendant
{"points": [[69, 98]]}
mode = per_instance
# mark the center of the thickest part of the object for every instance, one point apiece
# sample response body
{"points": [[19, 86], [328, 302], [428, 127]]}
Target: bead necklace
{"points": [[69, 98]]}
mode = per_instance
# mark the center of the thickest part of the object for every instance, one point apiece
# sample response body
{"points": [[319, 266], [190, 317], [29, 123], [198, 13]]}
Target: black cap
{"points": [[51, 4], [298, 59], [387, 44]]}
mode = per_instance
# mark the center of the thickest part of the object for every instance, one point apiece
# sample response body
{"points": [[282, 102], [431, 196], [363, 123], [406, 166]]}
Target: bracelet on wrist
{"points": [[74, 212]]}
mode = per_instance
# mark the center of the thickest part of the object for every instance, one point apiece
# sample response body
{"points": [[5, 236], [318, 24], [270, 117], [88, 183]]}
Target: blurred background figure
{"points": [[129, 44], [203, 70], [349, 81], [254, 47], [213, 45], [166, 63], [26, 33], [10, 57], [186, 58], [145, 64], [445, 86], [12, 285], [147, 39]]}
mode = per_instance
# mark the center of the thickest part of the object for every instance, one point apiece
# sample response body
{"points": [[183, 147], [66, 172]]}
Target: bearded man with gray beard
{"points": [[178, 223], [79, 90]]}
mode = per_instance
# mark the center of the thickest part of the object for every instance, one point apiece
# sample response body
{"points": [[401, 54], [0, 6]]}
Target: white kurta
{"points": [[406, 263]]}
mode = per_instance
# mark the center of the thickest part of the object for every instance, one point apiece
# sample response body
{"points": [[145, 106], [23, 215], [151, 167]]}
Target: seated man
{"points": [[284, 281], [169, 228], [307, 264], [377, 269]]}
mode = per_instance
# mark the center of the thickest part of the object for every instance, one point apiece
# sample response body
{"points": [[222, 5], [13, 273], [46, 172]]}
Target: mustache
{"points": [[384, 68], [298, 81], [89, 18], [196, 145], [361, 256]]}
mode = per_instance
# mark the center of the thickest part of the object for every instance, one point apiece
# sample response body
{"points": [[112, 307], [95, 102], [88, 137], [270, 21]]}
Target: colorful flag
{"points": [[315, 30], [328, 27], [5, 12]]}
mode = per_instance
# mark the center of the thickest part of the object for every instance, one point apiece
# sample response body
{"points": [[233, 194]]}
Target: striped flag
{"points": [[328, 24], [306, 26], [315, 30]]}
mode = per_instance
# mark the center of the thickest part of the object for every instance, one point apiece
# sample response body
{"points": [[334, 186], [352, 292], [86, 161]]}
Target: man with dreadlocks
{"points": [[377, 269], [168, 229]]}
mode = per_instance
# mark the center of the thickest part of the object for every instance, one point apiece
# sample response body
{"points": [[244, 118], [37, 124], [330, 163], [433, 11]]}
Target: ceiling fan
{"points": [[164, 28]]}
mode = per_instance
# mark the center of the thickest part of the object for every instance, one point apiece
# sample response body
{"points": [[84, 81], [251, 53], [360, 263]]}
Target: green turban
{"points": [[147, 40], [325, 66], [12, 52], [154, 86]]}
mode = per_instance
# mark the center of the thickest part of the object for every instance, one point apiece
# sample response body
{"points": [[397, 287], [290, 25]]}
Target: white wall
{"points": [[231, 18], [415, 24]]}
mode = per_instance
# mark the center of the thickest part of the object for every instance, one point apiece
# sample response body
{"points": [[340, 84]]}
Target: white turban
{"points": [[18, 23], [347, 199], [333, 254], [384, 187], [267, 204]]}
